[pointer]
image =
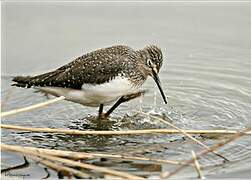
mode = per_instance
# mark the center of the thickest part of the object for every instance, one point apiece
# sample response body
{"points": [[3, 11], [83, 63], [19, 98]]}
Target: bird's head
{"points": [[153, 59]]}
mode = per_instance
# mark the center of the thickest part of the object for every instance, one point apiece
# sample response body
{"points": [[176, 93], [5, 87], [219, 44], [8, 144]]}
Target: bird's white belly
{"points": [[94, 95]]}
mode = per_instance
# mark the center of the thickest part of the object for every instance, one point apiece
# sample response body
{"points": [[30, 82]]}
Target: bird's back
{"points": [[96, 67]]}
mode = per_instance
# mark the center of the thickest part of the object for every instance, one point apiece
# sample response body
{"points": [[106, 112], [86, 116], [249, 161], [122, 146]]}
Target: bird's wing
{"points": [[88, 71], [93, 68]]}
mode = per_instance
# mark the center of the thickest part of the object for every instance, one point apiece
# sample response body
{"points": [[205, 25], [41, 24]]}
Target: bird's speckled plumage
{"points": [[98, 67], [100, 77]]}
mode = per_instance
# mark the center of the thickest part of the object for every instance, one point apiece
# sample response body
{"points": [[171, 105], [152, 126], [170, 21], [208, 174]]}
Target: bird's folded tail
{"points": [[30, 81], [22, 81]]}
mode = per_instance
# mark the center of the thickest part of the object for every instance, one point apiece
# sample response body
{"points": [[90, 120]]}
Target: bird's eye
{"points": [[149, 62]]}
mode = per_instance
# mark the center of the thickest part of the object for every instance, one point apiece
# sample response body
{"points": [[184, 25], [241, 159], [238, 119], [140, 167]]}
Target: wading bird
{"points": [[101, 77]]}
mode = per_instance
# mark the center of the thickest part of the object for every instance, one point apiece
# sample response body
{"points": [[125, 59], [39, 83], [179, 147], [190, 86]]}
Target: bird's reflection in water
{"points": [[104, 142], [132, 121], [92, 142], [91, 122]]}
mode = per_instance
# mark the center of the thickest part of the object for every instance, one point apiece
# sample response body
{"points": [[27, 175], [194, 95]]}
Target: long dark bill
{"points": [[156, 79]]}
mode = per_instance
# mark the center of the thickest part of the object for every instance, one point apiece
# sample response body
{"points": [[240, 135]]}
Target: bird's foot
{"points": [[102, 116]]}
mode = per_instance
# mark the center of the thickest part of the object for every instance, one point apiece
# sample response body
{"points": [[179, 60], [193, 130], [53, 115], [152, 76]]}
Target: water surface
{"points": [[206, 76]]}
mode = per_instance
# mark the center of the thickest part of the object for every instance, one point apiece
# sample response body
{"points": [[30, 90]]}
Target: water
{"points": [[206, 76]]}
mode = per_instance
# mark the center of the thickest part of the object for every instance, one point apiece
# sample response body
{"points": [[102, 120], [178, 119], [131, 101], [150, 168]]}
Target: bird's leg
{"points": [[101, 115], [123, 99]]}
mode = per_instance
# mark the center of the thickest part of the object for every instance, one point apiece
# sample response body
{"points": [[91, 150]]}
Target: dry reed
{"points": [[212, 148], [197, 165], [83, 155], [68, 162], [125, 132], [32, 107], [67, 171]]}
